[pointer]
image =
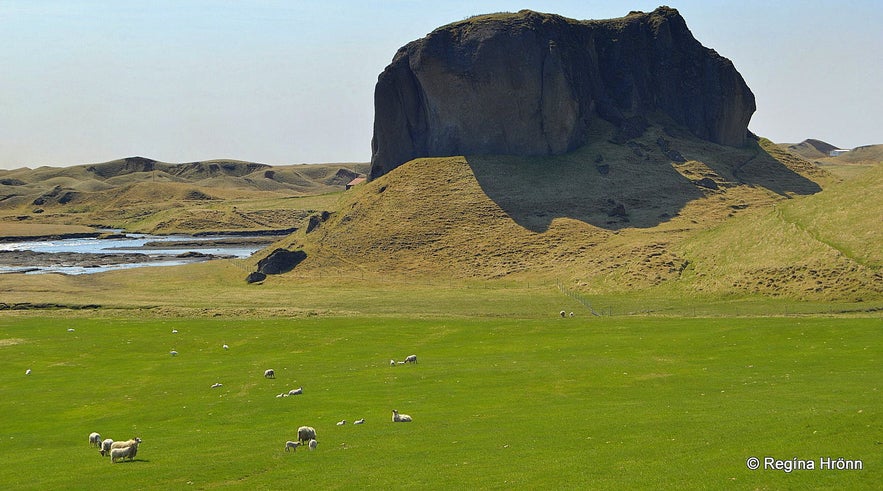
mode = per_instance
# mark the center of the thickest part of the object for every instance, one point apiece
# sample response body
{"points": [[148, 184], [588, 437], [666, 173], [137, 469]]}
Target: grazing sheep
{"points": [[563, 313], [359, 421], [127, 443], [284, 394], [313, 444], [291, 446], [174, 331], [306, 433], [94, 439], [173, 353], [120, 450], [392, 363], [269, 373], [104, 450], [411, 359], [216, 385], [341, 423], [226, 347], [123, 452], [400, 418], [571, 314], [28, 371], [296, 392]]}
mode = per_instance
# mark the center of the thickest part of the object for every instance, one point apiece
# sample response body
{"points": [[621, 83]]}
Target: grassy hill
{"points": [[615, 218], [143, 195]]}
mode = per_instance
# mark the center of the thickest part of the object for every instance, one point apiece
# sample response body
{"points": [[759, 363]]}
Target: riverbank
{"points": [[30, 261]]}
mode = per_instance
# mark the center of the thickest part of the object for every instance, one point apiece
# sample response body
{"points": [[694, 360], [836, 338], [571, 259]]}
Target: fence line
{"points": [[576, 296]]}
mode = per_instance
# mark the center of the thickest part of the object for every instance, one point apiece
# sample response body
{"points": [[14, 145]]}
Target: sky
{"points": [[292, 81]]}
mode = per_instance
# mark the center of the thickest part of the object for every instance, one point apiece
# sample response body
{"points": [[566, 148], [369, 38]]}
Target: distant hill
{"points": [[811, 149], [143, 194]]}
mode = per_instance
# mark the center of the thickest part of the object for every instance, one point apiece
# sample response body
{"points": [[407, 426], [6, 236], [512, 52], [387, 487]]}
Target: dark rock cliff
{"points": [[531, 84]]}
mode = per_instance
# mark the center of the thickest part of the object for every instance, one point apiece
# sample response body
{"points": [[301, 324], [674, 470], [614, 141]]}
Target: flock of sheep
{"points": [[306, 435], [117, 450]]}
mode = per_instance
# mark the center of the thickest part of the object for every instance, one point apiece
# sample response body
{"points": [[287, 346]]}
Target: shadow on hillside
{"points": [[631, 193]]}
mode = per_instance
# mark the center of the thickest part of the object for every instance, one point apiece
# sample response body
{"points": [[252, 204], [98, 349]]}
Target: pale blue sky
{"points": [[285, 82]]}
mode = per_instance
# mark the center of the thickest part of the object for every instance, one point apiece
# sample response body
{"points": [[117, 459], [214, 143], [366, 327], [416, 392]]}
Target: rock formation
{"points": [[531, 84]]}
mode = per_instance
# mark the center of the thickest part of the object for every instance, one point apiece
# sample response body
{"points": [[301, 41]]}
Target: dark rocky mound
{"points": [[531, 84], [280, 261]]}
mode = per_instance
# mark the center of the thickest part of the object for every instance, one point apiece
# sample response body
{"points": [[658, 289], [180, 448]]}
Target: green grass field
{"points": [[498, 403]]}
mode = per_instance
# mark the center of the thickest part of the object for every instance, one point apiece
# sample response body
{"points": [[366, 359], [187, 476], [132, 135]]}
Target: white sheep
{"points": [[173, 353], [411, 359], [313, 444], [226, 347], [291, 446], [94, 439], [296, 392], [563, 313], [359, 421], [341, 422], [104, 450], [28, 371], [216, 385], [174, 331], [127, 443], [121, 450], [392, 363], [400, 418], [306, 433], [269, 373], [70, 329], [571, 314]]}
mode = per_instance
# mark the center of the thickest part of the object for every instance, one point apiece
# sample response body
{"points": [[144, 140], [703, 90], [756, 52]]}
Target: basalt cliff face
{"points": [[530, 83]]}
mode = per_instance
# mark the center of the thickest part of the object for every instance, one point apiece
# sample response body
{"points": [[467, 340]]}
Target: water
{"points": [[131, 243]]}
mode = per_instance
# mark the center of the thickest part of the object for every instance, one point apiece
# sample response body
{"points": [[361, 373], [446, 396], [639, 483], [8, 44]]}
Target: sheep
{"points": [[296, 392], [28, 371], [127, 443], [291, 446], [392, 363], [173, 353], [216, 385], [563, 314], [571, 314], [411, 359], [306, 433], [226, 347], [120, 450], [174, 331], [123, 452], [400, 418], [94, 439], [359, 421], [269, 373], [341, 422], [70, 329], [313, 444], [104, 450]]}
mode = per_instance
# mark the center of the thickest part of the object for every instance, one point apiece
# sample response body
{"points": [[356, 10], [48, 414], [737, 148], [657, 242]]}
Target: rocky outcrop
{"points": [[280, 261], [532, 84]]}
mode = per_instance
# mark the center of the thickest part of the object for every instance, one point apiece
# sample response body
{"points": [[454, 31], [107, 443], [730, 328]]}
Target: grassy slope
{"points": [[551, 220], [497, 403]]}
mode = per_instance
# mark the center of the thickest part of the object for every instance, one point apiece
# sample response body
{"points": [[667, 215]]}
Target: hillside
{"points": [[144, 195], [612, 218], [811, 148]]}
